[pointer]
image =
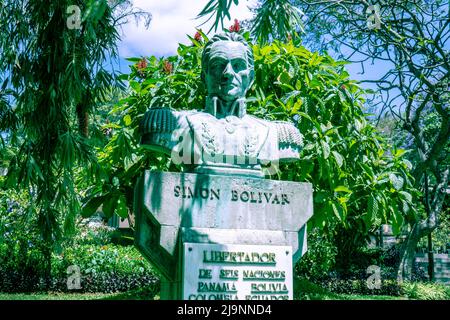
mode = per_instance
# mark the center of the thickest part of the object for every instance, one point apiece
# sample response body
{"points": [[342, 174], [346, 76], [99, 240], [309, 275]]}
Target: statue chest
{"points": [[228, 137]]}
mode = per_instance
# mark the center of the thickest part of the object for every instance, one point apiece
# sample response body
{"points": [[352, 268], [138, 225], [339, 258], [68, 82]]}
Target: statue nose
{"points": [[228, 72]]}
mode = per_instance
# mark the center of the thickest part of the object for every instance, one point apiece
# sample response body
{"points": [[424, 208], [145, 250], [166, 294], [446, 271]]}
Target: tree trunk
{"points": [[422, 228], [48, 266], [408, 252], [430, 258], [83, 120]]}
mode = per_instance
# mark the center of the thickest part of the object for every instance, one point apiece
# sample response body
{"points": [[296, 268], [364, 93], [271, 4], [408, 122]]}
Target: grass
{"points": [[134, 296], [303, 289], [138, 294], [307, 290], [334, 296], [54, 296]]}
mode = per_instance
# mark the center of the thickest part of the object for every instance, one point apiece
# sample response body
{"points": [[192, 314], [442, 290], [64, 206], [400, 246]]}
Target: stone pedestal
{"points": [[174, 210]]}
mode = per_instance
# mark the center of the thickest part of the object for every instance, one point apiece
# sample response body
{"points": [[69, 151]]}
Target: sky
{"points": [[173, 19]]}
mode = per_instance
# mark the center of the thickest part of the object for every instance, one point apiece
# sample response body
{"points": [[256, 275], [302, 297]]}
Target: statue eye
{"points": [[217, 67], [238, 65]]}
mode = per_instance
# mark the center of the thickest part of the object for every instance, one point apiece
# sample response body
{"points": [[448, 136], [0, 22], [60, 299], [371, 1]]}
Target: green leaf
{"points": [[407, 196], [408, 164], [399, 153], [91, 206], [122, 210], [372, 207], [284, 77], [397, 182], [358, 125], [338, 157], [110, 204], [133, 59], [325, 149], [342, 189], [397, 221], [405, 207], [337, 210], [127, 120], [321, 196], [135, 86]]}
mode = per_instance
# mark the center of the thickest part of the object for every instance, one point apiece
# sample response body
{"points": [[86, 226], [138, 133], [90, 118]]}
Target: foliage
{"points": [[148, 294], [359, 286], [104, 266], [307, 290], [319, 260], [357, 184], [58, 296], [440, 237], [283, 25], [21, 260], [412, 38], [425, 291], [108, 268], [221, 8], [52, 78], [304, 289], [266, 25]]}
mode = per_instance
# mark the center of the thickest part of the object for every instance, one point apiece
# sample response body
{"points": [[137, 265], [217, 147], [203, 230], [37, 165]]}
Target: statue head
{"points": [[227, 68]]}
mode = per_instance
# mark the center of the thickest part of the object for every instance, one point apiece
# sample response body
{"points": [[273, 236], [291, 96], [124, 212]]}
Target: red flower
{"points": [[142, 64], [198, 36], [167, 67], [235, 27]]}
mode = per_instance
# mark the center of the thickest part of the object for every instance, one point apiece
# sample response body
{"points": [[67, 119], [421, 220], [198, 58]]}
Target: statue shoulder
{"points": [[288, 135], [163, 120]]}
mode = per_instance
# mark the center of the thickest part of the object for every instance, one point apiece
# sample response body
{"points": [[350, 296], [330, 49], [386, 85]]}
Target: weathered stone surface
{"points": [[174, 207]]}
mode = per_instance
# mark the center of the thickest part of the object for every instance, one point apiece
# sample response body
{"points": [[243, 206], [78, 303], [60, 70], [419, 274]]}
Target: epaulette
{"points": [[288, 134], [158, 120]]}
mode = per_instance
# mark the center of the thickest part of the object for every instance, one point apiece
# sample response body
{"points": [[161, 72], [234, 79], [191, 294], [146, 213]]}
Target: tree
{"points": [[275, 19], [52, 61], [414, 37]]}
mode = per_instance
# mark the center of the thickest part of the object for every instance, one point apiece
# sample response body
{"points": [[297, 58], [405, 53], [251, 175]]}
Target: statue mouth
{"points": [[228, 86]]}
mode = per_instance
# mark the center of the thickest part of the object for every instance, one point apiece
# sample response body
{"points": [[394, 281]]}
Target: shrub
{"points": [[304, 289], [425, 291], [21, 260], [94, 232], [319, 260], [21, 268], [108, 268], [360, 286]]}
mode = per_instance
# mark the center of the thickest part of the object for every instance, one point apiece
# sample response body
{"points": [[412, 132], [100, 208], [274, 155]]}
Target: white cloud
{"points": [[172, 20]]}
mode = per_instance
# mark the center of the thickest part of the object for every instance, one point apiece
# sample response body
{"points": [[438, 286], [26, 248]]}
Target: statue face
{"points": [[228, 75]]}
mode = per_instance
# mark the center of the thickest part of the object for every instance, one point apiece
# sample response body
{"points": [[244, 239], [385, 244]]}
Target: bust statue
{"points": [[222, 138]]}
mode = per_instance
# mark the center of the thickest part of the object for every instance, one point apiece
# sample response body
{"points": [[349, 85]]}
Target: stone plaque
{"points": [[237, 272]]}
